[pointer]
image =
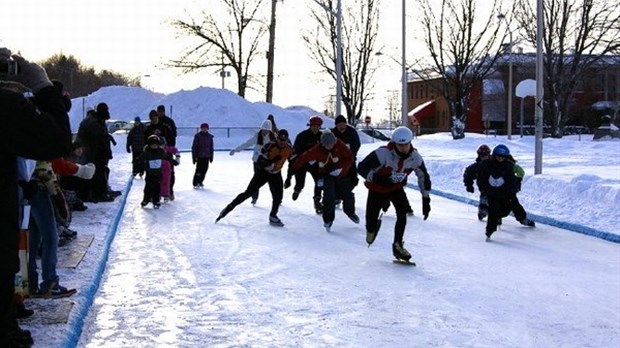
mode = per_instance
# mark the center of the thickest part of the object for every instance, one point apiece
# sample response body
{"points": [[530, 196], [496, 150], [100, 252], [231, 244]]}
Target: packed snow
{"points": [[173, 278]]}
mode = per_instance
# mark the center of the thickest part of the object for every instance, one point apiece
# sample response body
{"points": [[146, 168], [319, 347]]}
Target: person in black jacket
{"points": [[171, 136], [303, 142], [38, 129], [135, 146], [498, 180], [471, 174], [351, 138]]}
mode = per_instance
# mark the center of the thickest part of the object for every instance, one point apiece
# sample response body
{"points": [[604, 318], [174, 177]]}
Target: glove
{"points": [[232, 152], [287, 183], [426, 206], [128, 150], [193, 160], [85, 171], [469, 189], [383, 180], [177, 160], [211, 160], [335, 172], [335, 159], [31, 75]]}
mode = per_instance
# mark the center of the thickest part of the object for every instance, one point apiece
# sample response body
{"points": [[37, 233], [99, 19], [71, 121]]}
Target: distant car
{"points": [[117, 125], [376, 134]]}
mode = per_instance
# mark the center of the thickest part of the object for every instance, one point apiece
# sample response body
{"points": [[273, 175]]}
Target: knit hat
{"points": [[204, 125], [137, 119], [283, 135], [266, 125], [340, 119], [102, 111], [328, 138]]}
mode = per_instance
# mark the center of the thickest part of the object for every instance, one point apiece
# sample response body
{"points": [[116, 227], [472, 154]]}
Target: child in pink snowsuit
{"points": [[167, 170]]}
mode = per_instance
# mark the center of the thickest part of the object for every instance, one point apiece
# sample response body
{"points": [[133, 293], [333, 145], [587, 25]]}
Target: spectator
{"points": [[135, 146], [36, 128], [171, 137], [202, 154]]}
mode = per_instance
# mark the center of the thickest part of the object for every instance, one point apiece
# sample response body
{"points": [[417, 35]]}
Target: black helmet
{"points": [[483, 150]]}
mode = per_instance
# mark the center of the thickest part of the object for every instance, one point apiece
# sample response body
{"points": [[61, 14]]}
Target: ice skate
{"points": [[399, 252], [275, 221], [223, 213], [354, 218], [528, 222], [296, 195], [328, 226]]}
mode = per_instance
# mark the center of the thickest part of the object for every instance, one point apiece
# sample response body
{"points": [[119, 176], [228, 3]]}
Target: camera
{"points": [[8, 67]]}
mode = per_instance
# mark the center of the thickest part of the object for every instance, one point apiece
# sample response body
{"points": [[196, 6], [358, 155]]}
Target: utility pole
{"points": [[270, 52], [339, 57]]}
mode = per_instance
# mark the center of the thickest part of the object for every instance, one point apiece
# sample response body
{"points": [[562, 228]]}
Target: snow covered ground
{"points": [[174, 278]]}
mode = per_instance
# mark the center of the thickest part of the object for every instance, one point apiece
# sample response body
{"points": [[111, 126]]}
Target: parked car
{"points": [[375, 134], [118, 125]]}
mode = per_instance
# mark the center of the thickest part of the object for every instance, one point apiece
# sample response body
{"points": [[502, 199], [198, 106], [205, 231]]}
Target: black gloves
{"points": [[211, 160], [426, 206], [469, 188], [193, 160]]}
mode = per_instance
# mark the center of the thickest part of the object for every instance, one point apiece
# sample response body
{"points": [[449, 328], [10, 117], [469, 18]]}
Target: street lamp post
{"points": [[405, 77], [509, 98], [339, 57], [538, 146]]}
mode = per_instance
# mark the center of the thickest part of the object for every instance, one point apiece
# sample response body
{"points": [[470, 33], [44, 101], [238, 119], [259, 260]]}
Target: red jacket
{"points": [[339, 157]]}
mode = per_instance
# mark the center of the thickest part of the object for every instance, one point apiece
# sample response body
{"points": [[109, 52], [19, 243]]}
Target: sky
{"points": [[133, 38], [173, 278]]}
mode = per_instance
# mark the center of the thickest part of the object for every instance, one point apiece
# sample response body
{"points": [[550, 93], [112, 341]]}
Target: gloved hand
{"points": [[287, 183], [177, 160], [193, 160], [426, 206], [232, 152], [85, 171], [211, 160], [335, 172], [128, 149], [383, 180], [469, 189], [30, 75], [335, 159]]}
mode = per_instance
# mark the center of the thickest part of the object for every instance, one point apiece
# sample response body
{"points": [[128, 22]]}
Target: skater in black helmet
{"points": [[471, 174]]}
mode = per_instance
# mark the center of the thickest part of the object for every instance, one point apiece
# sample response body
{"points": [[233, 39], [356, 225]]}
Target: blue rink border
{"points": [[611, 237], [76, 326]]}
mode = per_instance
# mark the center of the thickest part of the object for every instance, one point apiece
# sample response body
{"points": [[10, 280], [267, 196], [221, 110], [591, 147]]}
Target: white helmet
{"points": [[402, 135]]}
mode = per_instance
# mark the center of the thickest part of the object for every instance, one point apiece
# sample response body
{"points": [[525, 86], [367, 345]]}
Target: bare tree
{"points": [[359, 33], [577, 36], [463, 51], [231, 40]]}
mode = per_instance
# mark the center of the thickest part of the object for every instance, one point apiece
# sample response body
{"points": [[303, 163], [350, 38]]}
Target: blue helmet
{"points": [[501, 150]]}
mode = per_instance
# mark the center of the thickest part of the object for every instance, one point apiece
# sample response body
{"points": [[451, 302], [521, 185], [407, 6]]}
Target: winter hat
{"points": [[102, 111], [204, 125], [153, 113], [266, 125], [283, 135], [137, 119], [340, 119], [328, 138]]}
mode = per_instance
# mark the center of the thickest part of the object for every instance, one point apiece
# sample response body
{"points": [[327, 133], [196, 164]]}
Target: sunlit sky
{"points": [[133, 37]]}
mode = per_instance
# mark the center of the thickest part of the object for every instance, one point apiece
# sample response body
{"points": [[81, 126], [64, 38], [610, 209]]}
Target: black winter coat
{"points": [[36, 129], [497, 178], [136, 138], [471, 173], [305, 141], [94, 135], [349, 137]]}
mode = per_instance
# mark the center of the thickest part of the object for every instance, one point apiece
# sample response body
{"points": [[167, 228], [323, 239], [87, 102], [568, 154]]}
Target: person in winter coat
{"points": [[152, 157], [167, 170], [93, 134], [171, 137], [515, 205], [497, 178], [202, 154], [262, 137], [270, 162], [36, 128], [386, 170], [334, 159], [157, 127], [135, 145], [303, 142], [351, 138], [471, 174]]}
